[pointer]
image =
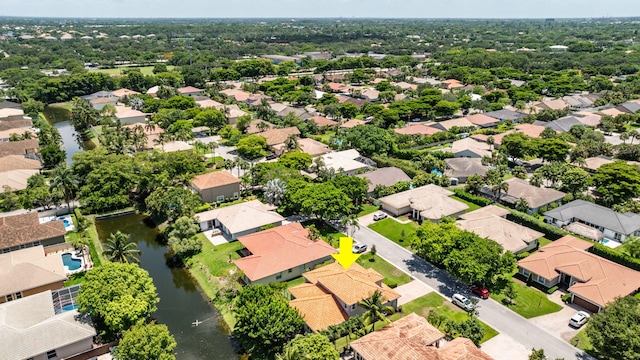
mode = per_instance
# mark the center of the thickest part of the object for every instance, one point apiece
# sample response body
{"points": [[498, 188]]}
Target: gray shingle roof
{"points": [[597, 215], [630, 106], [388, 176]]}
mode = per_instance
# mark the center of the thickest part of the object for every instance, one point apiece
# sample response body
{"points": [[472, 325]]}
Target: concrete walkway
{"points": [[411, 291], [503, 347]]}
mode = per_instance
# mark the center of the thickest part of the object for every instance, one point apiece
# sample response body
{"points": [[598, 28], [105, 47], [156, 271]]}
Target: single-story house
{"points": [[208, 103], [505, 114], [564, 124], [18, 162], [190, 91], [531, 130], [388, 176], [25, 230], [232, 113], [592, 281], [555, 104], [6, 104], [411, 338], [27, 148], [592, 164], [16, 179], [482, 120], [5, 135], [127, 115], [578, 101], [281, 254], [332, 294], [313, 147], [152, 133], [461, 123], [29, 271], [615, 226], [237, 94], [321, 121], [429, 202], [588, 118], [613, 112], [470, 147], [239, 219], [254, 128], [490, 222], [123, 92], [11, 114], [101, 102], [216, 186], [417, 129], [349, 124], [536, 197], [15, 124], [97, 94], [30, 328], [370, 94], [347, 162], [278, 136], [629, 107], [462, 167]]}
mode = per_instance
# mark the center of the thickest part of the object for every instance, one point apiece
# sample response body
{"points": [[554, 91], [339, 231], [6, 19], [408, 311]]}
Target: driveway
{"points": [[494, 314], [411, 291], [557, 323], [503, 347]]}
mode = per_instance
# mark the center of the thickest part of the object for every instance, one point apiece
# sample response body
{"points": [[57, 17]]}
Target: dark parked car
{"points": [[480, 291]]}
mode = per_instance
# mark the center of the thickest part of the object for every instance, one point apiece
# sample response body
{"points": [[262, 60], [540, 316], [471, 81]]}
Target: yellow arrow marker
{"points": [[346, 257]]}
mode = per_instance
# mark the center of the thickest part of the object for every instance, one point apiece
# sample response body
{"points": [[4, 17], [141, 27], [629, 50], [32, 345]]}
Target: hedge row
{"points": [[409, 167], [478, 200], [615, 256], [551, 232]]}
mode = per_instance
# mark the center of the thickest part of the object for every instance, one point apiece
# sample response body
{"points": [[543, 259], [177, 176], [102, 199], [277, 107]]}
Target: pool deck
{"points": [[86, 259]]}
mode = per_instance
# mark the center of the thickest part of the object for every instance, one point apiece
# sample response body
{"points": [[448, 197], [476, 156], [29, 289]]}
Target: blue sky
{"points": [[322, 8]]}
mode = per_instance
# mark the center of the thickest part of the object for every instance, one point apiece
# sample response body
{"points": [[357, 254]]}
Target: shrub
{"points": [[566, 298], [552, 289], [392, 284], [522, 255], [615, 256], [550, 231], [478, 200]]}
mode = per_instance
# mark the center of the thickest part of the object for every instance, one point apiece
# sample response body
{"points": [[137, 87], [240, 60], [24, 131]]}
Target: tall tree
{"points": [[64, 180], [119, 247], [146, 342], [617, 182], [614, 332], [374, 310], [312, 347]]}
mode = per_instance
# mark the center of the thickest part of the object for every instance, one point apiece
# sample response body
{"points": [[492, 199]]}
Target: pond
{"points": [[181, 302], [59, 117]]}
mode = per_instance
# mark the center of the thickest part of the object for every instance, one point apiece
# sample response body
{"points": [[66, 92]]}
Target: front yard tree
{"points": [[617, 182], [117, 296], [146, 342], [614, 332], [323, 201], [374, 310], [312, 347], [265, 321], [252, 146]]}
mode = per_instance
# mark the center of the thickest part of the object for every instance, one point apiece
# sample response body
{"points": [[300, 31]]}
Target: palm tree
{"points": [[290, 353], [499, 187], [490, 142], [119, 248], [292, 143], [522, 204], [375, 311], [65, 181], [274, 191]]}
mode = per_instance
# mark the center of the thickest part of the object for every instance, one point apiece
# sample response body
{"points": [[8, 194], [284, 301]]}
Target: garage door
{"points": [[585, 304]]}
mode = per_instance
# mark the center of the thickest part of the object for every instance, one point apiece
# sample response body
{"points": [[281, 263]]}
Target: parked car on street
{"points": [[359, 248], [578, 319], [379, 216], [462, 301], [480, 291]]}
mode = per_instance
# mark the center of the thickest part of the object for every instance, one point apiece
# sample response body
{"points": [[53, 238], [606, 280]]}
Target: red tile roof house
{"points": [[24, 230], [190, 91], [592, 281], [216, 186], [281, 254]]}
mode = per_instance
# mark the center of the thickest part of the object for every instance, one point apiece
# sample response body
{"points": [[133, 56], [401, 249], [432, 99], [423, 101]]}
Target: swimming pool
{"points": [[70, 262]]}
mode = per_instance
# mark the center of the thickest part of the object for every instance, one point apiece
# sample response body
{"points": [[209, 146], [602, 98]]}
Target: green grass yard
{"points": [[530, 302], [145, 70], [581, 341], [368, 209], [392, 275], [393, 231], [471, 205], [432, 301]]}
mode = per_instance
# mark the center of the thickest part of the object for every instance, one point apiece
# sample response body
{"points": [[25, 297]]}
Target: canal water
{"points": [[181, 302], [59, 117]]}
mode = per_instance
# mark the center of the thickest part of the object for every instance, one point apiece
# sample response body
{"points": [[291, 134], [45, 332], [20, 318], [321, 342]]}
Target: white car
{"points": [[359, 248], [462, 301], [578, 319], [379, 216]]}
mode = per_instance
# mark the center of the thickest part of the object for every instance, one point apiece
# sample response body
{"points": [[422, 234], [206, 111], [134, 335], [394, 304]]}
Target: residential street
{"points": [[491, 312]]}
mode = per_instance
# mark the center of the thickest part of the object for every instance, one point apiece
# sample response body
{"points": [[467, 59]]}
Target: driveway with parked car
{"points": [[557, 323]]}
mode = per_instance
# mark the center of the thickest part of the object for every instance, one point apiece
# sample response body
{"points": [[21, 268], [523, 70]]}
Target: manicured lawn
{"points": [[368, 209], [393, 231], [432, 301], [328, 233], [145, 70], [77, 278], [471, 205], [392, 275], [530, 302], [295, 282], [581, 341], [325, 137], [544, 241]]}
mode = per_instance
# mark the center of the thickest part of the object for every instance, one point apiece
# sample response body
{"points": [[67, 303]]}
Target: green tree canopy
{"points": [[183, 237], [617, 182], [146, 342], [252, 146], [313, 347], [614, 332]]}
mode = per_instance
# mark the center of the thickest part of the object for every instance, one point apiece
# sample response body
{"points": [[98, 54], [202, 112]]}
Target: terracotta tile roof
{"points": [[351, 285], [18, 162], [15, 124], [530, 130], [313, 147], [28, 269], [489, 222], [279, 249], [307, 290], [208, 103], [418, 129], [462, 349], [322, 121], [237, 94], [7, 112], [124, 92], [17, 147], [189, 89], [599, 280], [352, 123], [253, 126], [279, 136], [214, 179], [319, 312], [26, 228], [482, 120]]}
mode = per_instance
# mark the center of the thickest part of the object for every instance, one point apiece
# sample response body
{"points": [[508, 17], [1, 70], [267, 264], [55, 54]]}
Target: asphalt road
{"points": [[491, 312]]}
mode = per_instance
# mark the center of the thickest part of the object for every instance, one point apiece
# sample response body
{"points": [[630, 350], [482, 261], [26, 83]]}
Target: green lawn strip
{"points": [[530, 302], [582, 341], [328, 233], [74, 279], [543, 241], [95, 247], [294, 282], [368, 209], [145, 70], [471, 205], [325, 137], [433, 301], [211, 263], [392, 275], [393, 231]]}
